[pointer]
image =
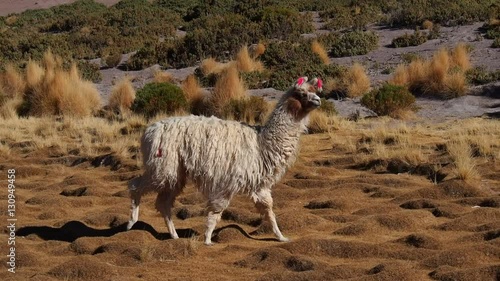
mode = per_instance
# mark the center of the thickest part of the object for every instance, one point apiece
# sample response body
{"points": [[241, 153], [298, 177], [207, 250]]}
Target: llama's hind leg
{"points": [[134, 209], [164, 203], [264, 203], [215, 209]]}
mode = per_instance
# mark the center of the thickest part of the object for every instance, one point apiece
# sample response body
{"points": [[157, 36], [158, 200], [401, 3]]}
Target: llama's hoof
{"points": [[130, 224], [284, 239], [209, 243]]}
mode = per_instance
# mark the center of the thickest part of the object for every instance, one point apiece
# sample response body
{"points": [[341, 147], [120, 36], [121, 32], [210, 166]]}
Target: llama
{"points": [[223, 157]]}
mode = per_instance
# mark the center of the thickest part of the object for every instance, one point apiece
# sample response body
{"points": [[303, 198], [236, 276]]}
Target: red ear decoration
{"points": [[320, 84], [300, 81]]}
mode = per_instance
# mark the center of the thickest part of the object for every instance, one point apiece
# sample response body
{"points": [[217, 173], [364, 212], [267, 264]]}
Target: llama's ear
{"points": [[318, 83], [301, 82]]}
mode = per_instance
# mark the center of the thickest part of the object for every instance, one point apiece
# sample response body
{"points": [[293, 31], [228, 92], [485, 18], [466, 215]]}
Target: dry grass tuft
{"points": [[353, 83], [122, 96], [211, 66], [247, 64], [427, 24], [319, 122], [258, 50], [228, 87], [12, 82], [54, 91], [319, 50], [162, 77], [460, 151], [191, 89], [442, 76]]}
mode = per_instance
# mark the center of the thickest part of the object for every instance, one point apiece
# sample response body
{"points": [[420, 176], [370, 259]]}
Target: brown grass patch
{"points": [[319, 50], [245, 63], [352, 83], [211, 66], [162, 77], [122, 96], [427, 24], [443, 75], [191, 89], [228, 87]]}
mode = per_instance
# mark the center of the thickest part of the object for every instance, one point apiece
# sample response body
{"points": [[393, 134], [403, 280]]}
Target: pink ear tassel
{"points": [[300, 81], [320, 84]]}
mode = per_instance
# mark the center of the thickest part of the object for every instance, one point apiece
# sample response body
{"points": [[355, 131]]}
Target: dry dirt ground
{"points": [[350, 215]]}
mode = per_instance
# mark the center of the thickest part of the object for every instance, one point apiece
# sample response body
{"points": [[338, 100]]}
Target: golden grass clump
{"points": [[258, 50], [211, 66], [191, 89], [61, 92], [122, 96], [460, 151], [353, 83], [443, 75], [228, 87], [162, 77], [34, 73], [12, 82], [319, 50], [319, 122], [245, 63], [427, 24]]}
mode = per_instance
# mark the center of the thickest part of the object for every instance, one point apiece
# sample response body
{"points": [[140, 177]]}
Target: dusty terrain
{"points": [[351, 213], [351, 207]]}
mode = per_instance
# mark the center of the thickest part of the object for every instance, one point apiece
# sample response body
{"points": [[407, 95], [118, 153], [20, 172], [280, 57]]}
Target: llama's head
{"points": [[303, 96]]}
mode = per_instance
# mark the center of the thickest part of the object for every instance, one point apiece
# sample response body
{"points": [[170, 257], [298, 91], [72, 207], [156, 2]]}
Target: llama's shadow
{"points": [[242, 231], [73, 230]]}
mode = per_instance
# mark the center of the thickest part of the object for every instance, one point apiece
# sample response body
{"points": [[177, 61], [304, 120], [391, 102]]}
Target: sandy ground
{"points": [[347, 219], [9, 6]]}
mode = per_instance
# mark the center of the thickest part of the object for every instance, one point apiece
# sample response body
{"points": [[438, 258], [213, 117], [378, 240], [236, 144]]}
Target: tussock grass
{"points": [[162, 77], [12, 82], [461, 153], [258, 50], [246, 63], [194, 95], [319, 122], [352, 83], [229, 86], [441, 76], [319, 50], [427, 24], [122, 96], [211, 66]]}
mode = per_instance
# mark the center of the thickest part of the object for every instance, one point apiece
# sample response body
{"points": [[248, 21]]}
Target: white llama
{"points": [[223, 157]]}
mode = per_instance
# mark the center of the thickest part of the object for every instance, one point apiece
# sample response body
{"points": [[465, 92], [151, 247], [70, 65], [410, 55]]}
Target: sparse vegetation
{"points": [[442, 76], [353, 82], [122, 96], [155, 98], [415, 39], [389, 100]]}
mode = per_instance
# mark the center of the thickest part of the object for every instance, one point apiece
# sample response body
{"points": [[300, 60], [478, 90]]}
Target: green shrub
{"points": [[159, 97], [284, 24], [480, 76], [389, 100], [113, 59], [89, 71], [496, 43], [350, 44], [143, 58], [415, 39], [354, 16], [287, 62]]}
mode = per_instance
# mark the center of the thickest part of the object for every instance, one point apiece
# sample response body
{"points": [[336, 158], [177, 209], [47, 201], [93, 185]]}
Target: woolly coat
{"points": [[221, 157]]}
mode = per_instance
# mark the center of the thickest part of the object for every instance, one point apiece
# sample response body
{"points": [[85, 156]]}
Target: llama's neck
{"points": [[279, 141]]}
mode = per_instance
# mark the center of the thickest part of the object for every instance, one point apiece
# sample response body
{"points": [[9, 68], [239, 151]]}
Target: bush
{"points": [[480, 76], [284, 24], [415, 39], [287, 62], [327, 107], [113, 60], [159, 97], [350, 44], [143, 58], [389, 100], [496, 43]]}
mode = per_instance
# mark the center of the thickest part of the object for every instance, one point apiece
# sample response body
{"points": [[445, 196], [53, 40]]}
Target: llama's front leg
{"points": [[134, 209], [264, 203], [215, 208], [164, 203]]}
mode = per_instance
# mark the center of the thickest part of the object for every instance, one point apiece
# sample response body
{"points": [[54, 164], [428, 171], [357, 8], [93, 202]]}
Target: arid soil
{"points": [[350, 215]]}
